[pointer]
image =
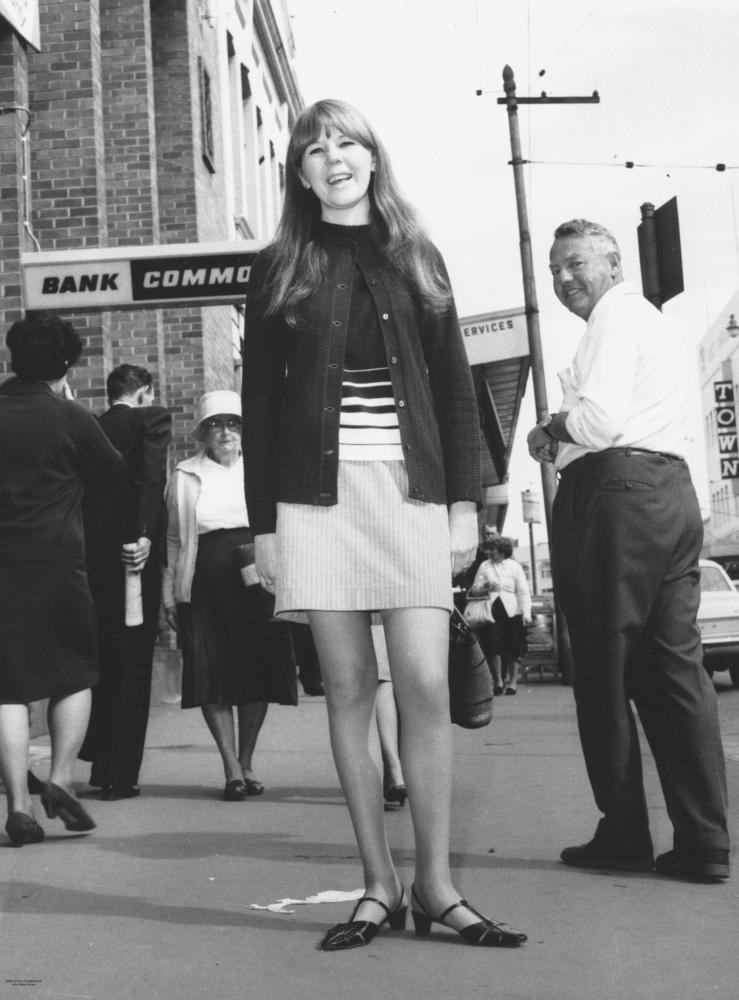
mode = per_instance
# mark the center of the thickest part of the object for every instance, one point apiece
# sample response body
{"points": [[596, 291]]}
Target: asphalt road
{"points": [[157, 903]]}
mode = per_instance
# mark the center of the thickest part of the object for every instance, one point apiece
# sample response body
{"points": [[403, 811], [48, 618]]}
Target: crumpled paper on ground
{"points": [[327, 896]]}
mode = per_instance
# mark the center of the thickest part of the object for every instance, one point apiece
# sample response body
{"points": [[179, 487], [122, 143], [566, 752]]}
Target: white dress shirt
{"points": [[628, 385]]}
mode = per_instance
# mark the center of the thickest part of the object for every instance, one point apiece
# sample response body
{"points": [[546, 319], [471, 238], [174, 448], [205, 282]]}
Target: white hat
{"points": [[224, 401]]}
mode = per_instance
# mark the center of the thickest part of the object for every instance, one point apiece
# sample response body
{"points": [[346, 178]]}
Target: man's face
{"points": [[582, 272]]}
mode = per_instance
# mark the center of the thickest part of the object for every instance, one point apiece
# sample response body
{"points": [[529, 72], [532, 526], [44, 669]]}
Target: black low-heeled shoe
{"points": [[355, 933], [235, 791], [253, 787], [58, 803], [23, 829], [485, 933], [394, 793]]}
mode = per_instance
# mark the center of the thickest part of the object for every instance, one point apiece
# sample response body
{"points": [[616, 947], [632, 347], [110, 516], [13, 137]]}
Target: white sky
{"points": [[668, 78]]}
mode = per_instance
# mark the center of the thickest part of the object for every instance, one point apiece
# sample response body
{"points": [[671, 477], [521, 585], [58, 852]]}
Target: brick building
{"points": [[136, 123]]}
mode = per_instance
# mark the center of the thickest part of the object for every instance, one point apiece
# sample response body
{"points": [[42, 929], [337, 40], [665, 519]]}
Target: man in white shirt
{"points": [[627, 534]]}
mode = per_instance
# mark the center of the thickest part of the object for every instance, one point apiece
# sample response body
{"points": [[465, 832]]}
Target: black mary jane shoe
{"points": [[485, 933], [253, 787], [235, 791], [23, 829], [355, 933], [58, 803]]}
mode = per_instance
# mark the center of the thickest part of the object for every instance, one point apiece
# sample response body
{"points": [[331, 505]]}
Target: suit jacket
{"points": [[136, 510]]}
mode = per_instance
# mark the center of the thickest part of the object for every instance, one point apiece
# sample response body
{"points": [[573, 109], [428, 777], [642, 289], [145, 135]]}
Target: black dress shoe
{"points": [[57, 802], [498, 689], [112, 793], [594, 855], [235, 791], [253, 787], [23, 829], [355, 933], [697, 866]]}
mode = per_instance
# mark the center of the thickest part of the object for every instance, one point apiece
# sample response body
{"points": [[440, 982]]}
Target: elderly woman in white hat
{"points": [[232, 657]]}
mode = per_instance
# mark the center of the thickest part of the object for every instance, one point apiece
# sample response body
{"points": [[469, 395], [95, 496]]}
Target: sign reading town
{"points": [[495, 336], [131, 277], [728, 441]]}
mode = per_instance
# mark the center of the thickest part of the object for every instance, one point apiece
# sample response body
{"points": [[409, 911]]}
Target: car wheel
{"points": [[734, 674]]}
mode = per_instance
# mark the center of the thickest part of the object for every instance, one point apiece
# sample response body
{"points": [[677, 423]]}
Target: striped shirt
{"points": [[368, 430]]}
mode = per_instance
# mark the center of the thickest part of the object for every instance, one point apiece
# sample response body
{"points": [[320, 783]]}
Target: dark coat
{"points": [[293, 380], [50, 449], [113, 518]]}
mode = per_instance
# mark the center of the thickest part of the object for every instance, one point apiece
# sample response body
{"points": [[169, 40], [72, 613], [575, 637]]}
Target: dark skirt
{"points": [[47, 629], [506, 637], [232, 652]]}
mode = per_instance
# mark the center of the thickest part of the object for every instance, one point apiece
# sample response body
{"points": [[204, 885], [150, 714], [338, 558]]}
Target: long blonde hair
{"points": [[298, 262]]}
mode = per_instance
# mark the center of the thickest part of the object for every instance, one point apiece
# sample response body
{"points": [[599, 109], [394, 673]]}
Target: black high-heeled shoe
{"points": [[485, 933], [57, 802], [355, 933], [23, 829]]}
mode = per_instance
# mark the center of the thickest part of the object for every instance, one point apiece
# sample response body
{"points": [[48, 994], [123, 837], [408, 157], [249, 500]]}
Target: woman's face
{"points": [[222, 437], [495, 555], [338, 170]]}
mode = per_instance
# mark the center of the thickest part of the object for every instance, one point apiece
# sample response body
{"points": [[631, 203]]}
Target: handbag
{"points": [[478, 610], [470, 681]]}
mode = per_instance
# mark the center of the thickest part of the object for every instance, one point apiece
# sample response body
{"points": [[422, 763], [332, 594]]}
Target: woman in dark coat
{"points": [[50, 447], [362, 474]]}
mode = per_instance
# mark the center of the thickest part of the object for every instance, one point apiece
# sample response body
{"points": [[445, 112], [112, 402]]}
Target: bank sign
{"points": [[728, 441], [131, 277]]}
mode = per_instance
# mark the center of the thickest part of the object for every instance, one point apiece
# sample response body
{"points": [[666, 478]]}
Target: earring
{"points": [[306, 185]]}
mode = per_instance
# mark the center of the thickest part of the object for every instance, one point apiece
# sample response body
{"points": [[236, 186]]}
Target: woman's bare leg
{"points": [[14, 737], [418, 649], [220, 720], [251, 720], [68, 718], [349, 670]]}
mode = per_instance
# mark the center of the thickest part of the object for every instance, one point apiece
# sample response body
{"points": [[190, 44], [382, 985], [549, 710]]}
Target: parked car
{"points": [[718, 620]]}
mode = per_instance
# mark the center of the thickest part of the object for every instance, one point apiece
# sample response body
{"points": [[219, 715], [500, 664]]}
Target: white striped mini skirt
{"points": [[375, 549]]}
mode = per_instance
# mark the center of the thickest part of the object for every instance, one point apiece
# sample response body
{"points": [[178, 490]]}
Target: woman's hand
{"points": [[170, 616], [463, 534], [265, 560]]}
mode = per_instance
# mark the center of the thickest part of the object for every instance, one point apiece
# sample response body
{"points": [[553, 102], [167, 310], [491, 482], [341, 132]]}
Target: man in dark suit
{"points": [[123, 534]]}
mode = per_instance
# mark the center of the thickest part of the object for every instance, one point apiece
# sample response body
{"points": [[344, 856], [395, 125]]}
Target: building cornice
{"points": [[274, 47]]}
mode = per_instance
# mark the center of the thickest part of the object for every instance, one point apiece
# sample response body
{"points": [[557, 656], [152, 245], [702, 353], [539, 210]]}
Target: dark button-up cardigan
{"points": [[292, 383]]}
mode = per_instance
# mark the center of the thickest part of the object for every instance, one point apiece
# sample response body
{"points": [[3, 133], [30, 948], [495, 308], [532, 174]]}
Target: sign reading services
{"points": [[495, 336]]}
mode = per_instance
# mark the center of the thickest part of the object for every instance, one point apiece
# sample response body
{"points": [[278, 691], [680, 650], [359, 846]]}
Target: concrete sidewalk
{"points": [[156, 902]]}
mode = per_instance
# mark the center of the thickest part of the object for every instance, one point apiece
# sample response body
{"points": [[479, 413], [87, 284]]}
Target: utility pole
{"points": [[548, 481]]}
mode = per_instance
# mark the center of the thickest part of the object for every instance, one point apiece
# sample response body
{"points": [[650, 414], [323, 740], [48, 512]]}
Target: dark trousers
{"points": [[116, 733], [627, 534]]}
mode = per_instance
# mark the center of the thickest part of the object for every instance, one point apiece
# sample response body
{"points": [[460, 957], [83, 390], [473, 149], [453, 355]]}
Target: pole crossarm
{"points": [[545, 99]]}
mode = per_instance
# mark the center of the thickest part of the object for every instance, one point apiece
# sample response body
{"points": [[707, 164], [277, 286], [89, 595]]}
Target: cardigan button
{"points": [[341, 284], [386, 316], [401, 403], [336, 322], [393, 360]]}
